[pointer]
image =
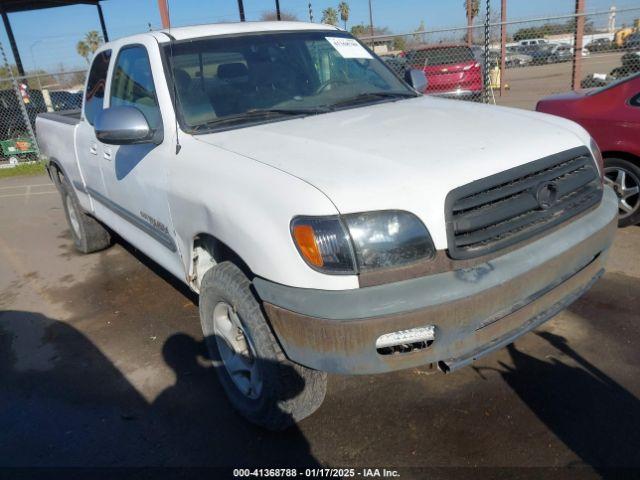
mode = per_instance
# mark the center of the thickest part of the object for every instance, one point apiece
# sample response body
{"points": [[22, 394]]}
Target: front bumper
{"points": [[475, 310]]}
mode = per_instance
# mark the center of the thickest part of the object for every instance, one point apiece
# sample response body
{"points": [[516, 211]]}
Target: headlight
{"points": [[362, 241], [388, 239]]}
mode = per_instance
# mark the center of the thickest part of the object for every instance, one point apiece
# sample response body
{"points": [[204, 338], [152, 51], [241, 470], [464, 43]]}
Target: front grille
{"points": [[508, 208]]}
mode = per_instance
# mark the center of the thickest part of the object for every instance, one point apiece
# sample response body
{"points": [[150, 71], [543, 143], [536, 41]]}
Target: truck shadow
{"points": [[64, 403], [587, 410]]}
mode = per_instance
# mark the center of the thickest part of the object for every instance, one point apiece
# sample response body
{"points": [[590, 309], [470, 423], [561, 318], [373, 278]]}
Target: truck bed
{"points": [[71, 117], [56, 135]]}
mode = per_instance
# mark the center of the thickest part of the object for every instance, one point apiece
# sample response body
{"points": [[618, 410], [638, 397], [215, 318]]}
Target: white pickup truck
{"points": [[330, 217]]}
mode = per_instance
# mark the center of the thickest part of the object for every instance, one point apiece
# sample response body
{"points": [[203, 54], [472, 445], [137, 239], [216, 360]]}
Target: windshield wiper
{"points": [[369, 96], [261, 113]]}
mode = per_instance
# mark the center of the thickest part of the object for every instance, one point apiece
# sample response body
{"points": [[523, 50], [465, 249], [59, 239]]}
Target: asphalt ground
{"points": [[527, 85], [102, 364]]}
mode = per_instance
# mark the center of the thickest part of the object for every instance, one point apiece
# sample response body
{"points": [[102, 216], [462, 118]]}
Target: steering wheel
{"points": [[329, 82]]}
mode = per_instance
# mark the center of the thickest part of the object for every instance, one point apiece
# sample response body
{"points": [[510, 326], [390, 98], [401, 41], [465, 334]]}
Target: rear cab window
{"points": [[95, 91]]}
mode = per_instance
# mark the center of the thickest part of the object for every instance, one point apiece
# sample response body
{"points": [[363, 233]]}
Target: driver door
{"points": [[135, 175]]}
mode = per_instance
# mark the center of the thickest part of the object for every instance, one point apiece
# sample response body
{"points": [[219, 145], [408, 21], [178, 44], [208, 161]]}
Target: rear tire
{"points": [[624, 177], [261, 383], [88, 234]]}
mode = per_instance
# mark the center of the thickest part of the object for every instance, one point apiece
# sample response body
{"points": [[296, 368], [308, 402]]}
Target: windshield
{"points": [[236, 80]]}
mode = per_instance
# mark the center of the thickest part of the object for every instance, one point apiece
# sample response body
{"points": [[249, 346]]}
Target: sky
{"points": [[47, 38]]}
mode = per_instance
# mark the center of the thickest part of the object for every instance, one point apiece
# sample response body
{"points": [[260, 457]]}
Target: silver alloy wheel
{"points": [[627, 187], [236, 352], [73, 217]]}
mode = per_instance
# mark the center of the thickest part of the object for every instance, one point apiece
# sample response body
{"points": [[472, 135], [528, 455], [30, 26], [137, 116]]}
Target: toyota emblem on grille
{"points": [[546, 195]]}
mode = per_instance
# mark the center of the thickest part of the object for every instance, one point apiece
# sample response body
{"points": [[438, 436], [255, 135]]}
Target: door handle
{"points": [[93, 149], [107, 154]]}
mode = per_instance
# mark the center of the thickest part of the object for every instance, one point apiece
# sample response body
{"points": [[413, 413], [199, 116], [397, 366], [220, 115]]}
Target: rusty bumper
{"points": [[474, 311]]}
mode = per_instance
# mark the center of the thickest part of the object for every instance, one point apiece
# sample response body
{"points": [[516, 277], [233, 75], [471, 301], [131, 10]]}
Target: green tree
{"points": [[272, 16], [89, 44], [472, 8], [330, 16], [365, 30], [417, 36], [343, 9], [399, 43], [83, 50], [359, 30]]}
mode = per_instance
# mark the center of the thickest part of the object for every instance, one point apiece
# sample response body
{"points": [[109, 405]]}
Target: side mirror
{"points": [[417, 79], [123, 126]]}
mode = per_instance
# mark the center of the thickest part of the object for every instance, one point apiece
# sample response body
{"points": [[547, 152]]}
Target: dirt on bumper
{"points": [[465, 329]]}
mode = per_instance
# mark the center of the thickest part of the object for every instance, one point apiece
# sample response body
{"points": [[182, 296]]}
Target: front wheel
{"points": [[261, 384], [624, 177]]}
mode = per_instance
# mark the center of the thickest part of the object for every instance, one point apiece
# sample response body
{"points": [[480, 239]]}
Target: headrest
{"points": [[232, 70], [182, 79]]}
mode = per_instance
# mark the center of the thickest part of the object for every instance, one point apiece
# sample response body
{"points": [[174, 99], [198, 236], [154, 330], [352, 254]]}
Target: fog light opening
{"points": [[406, 341], [443, 367]]}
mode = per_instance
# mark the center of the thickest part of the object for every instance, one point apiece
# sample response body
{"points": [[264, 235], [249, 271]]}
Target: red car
{"points": [[452, 70], [611, 115]]}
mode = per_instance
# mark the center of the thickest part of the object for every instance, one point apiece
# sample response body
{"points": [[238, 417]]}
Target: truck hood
{"points": [[404, 155]]}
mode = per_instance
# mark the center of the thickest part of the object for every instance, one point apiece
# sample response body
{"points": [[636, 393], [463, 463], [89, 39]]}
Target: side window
{"points": [[635, 101], [132, 84], [94, 96]]}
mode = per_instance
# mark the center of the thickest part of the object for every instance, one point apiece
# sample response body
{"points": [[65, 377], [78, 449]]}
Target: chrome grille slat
{"points": [[503, 209]]}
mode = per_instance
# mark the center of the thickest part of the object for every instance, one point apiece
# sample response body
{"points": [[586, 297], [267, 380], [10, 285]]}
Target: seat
{"points": [[196, 107], [230, 88]]}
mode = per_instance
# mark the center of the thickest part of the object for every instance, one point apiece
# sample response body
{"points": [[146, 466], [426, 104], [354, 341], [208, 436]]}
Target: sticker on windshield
{"points": [[348, 47]]}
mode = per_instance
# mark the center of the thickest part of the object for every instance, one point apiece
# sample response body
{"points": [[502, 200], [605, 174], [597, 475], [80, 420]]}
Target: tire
{"points": [[624, 177], [280, 392], [88, 234]]}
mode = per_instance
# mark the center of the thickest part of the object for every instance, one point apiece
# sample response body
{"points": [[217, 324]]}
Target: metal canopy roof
{"points": [[10, 6]]}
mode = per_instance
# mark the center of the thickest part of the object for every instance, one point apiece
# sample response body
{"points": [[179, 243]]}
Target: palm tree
{"points": [[83, 50], [89, 44], [472, 7], [343, 9], [330, 16], [93, 39]]}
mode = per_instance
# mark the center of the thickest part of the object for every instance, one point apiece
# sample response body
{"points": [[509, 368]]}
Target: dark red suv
{"points": [[452, 70]]}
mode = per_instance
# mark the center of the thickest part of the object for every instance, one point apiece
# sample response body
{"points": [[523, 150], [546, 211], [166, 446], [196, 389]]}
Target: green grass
{"points": [[23, 169]]}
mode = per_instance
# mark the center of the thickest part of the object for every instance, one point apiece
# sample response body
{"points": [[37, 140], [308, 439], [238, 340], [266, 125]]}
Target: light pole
{"points": [[33, 60], [371, 24]]}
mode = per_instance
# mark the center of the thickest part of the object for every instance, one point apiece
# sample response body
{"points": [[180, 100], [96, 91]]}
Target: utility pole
{"points": [[241, 10], [310, 13], [278, 16], [371, 25], [577, 45], [469, 24], [164, 13], [503, 45]]}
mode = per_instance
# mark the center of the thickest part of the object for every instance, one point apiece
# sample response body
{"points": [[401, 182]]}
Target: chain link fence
{"points": [[22, 98], [515, 63], [511, 62]]}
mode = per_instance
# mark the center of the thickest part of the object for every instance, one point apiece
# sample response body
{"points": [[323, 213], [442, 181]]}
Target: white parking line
{"points": [[27, 194], [14, 187]]}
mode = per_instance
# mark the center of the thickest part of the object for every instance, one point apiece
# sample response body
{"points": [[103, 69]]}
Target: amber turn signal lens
{"points": [[306, 240]]}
